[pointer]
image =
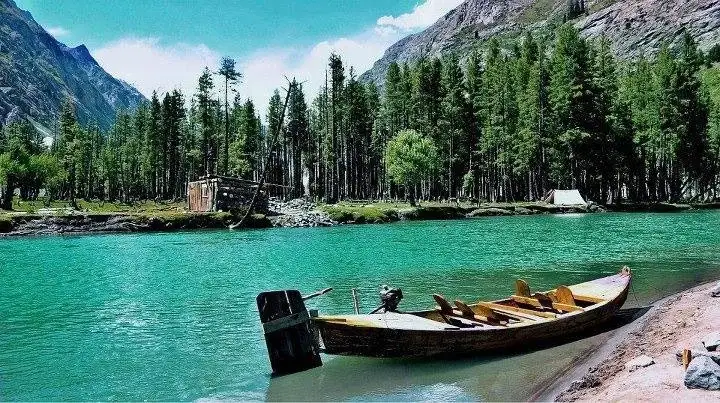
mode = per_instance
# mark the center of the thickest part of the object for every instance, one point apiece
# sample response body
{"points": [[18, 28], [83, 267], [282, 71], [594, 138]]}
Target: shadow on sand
{"points": [[512, 375]]}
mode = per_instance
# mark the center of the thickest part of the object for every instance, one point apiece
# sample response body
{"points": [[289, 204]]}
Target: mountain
{"points": [[634, 27], [37, 73]]}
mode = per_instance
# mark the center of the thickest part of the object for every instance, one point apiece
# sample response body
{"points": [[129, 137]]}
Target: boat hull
{"points": [[344, 338]]}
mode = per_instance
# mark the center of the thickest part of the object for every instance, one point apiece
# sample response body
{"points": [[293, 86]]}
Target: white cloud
{"points": [[149, 64], [266, 70], [423, 15], [57, 32]]}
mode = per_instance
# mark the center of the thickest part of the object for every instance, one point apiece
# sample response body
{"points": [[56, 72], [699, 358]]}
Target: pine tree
{"points": [[208, 145], [231, 76], [298, 133], [337, 89]]}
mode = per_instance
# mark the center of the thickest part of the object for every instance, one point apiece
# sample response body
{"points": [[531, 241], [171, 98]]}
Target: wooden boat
{"points": [[520, 320]]}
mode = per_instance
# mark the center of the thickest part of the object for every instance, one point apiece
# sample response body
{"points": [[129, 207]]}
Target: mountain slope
{"points": [[37, 73], [633, 26]]}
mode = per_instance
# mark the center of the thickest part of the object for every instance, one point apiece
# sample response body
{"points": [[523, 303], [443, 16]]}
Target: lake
{"points": [[172, 316]]}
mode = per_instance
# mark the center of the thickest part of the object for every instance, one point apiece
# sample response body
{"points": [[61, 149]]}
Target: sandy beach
{"points": [[669, 326]]}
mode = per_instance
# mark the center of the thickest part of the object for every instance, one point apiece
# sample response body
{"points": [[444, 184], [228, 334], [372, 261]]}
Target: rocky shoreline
{"points": [[643, 360], [299, 213]]}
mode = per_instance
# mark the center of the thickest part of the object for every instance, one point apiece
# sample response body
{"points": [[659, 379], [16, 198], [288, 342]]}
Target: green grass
{"points": [[602, 4], [361, 213], [539, 10], [711, 81], [97, 206]]}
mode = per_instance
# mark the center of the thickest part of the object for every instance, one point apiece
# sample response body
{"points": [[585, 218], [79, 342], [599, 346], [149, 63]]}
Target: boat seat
{"points": [[556, 306], [582, 298], [522, 288], [444, 305], [483, 314], [565, 296], [518, 312], [543, 299], [446, 309], [560, 303]]}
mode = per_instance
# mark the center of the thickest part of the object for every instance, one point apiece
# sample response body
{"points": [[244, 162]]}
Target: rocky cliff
{"points": [[37, 73], [634, 26]]}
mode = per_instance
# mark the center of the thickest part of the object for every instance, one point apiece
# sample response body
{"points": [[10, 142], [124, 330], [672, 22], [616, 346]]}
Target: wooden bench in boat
{"points": [[449, 314], [561, 299], [520, 312], [482, 313]]}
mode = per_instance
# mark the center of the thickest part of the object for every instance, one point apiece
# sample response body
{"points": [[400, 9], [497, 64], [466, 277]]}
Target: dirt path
{"points": [[677, 322]]}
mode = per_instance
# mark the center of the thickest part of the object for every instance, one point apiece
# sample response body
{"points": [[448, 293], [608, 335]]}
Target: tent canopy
{"points": [[565, 198]]}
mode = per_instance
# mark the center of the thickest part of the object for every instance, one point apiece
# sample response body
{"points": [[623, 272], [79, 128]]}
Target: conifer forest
{"points": [[506, 123]]}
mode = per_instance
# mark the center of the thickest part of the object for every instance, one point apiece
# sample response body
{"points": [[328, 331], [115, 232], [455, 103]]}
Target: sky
{"points": [[160, 45]]}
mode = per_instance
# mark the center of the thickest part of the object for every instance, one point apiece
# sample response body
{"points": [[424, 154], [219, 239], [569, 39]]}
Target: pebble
{"points": [[715, 292], [639, 362], [298, 213], [712, 341]]}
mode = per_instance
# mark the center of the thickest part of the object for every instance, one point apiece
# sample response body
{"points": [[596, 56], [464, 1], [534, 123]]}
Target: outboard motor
{"points": [[389, 299]]}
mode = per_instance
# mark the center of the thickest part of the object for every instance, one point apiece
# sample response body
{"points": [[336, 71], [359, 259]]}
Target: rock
{"points": [[639, 362], [715, 292], [37, 93], [713, 355], [712, 341], [703, 373], [489, 212], [586, 382], [634, 27]]}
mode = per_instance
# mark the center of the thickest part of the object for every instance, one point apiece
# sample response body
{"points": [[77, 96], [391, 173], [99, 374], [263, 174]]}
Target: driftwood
{"points": [[271, 149]]}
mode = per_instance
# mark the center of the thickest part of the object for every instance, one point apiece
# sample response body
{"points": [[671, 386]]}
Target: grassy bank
{"points": [[384, 212], [42, 217]]}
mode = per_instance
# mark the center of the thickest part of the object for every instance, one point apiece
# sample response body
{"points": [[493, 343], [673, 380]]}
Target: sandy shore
{"points": [[674, 323]]}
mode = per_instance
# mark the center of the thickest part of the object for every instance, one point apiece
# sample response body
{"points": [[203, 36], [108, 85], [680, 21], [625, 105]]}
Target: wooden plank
{"points": [[520, 310], [285, 322], [555, 305], [567, 308], [484, 314], [289, 335], [508, 312], [587, 298], [527, 300]]}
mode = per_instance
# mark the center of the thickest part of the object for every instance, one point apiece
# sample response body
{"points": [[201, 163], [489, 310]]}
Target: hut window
{"points": [[204, 190]]}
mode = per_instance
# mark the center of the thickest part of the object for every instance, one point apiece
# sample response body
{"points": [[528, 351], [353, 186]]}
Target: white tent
{"points": [[565, 198]]}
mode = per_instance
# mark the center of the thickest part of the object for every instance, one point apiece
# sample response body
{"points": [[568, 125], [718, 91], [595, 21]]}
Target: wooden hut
{"points": [[222, 193]]}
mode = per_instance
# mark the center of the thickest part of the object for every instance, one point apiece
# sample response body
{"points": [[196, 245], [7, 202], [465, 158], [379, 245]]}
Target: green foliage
{"points": [[410, 158], [713, 55], [521, 117], [345, 213]]}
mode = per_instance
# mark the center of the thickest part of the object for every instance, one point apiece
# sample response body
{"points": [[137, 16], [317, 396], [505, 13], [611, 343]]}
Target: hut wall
{"points": [[221, 194], [201, 195]]}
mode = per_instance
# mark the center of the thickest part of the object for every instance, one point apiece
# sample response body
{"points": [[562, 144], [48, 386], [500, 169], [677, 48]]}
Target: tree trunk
{"points": [[6, 200], [410, 189]]}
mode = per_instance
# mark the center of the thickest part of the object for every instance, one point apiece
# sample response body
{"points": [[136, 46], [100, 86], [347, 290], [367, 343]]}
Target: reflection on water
{"points": [[172, 316]]}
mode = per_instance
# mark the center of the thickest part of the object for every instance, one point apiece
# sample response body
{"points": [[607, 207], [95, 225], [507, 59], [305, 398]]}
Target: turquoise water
{"points": [[172, 316]]}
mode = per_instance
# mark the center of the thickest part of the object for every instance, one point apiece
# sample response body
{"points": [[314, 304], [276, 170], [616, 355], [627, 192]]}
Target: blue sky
{"points": [[240, 27], [164, 44]]}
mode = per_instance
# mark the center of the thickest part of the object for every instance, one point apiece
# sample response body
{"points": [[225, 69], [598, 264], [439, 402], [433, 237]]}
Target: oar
{"points": [[317, 294]]}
